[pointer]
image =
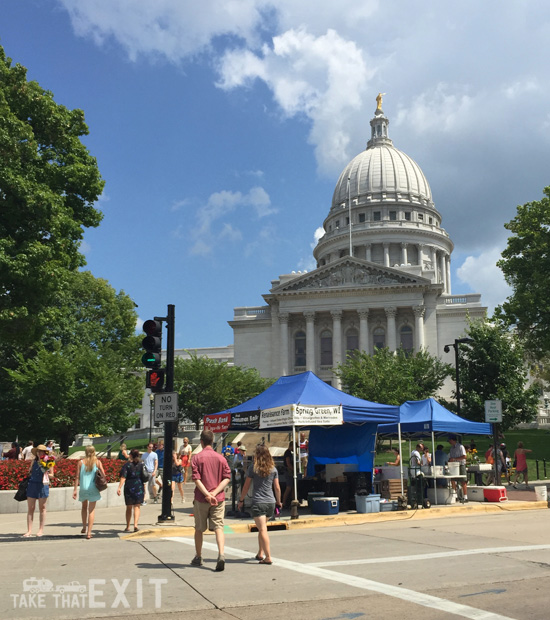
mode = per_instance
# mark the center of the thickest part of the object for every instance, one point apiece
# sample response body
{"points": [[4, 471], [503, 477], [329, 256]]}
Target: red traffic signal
{"points": [[155, 380]]}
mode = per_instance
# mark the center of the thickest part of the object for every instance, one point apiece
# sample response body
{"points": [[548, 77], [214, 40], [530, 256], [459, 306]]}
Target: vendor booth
{"points": [[427, 418], [342, 427]]}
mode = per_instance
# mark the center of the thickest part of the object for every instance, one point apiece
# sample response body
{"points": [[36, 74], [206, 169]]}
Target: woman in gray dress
{"points": [[266, 495]]}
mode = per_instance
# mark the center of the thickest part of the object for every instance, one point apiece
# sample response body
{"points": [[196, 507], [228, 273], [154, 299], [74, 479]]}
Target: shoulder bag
{"points": [[145, 475], [21, 494], [100, 480]]}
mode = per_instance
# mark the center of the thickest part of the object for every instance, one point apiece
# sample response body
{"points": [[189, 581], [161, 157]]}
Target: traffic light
{"points": [[152, 343], [155, 380]]}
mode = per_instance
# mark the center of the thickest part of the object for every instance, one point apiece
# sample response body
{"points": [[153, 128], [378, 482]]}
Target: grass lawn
{"points": [[537, 440], [140, 444]]}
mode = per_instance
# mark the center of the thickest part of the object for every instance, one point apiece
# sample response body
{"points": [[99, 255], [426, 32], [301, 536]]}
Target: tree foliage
{"points": [[83, 376], [493, 367], [393, 378], [207, 386], [48, 184], [526, 266]]}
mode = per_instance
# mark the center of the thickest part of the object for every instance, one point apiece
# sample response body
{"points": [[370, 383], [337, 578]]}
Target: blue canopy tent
{"points": [[349, 442], [421, 418]]}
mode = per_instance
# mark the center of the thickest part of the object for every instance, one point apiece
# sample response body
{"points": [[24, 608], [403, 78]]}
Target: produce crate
{"points": [[391, 489]]}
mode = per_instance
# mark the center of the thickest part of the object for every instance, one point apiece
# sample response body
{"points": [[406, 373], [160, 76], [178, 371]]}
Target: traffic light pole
{"points": [[169, 430]]}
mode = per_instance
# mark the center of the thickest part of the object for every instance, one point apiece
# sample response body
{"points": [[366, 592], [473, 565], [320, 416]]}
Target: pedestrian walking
{"points": [[132, 476], [177, 475], [211, 475], [41, 472], [87, 490], [151, 460], [186, 452], [520, 456], [266, 496]]}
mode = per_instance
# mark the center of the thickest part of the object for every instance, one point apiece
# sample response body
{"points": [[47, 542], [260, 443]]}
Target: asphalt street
{"points": [[426, 564]]}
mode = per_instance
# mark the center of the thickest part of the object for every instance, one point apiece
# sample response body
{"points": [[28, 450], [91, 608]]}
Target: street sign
{"points": [[166, 407], [493, 411]]}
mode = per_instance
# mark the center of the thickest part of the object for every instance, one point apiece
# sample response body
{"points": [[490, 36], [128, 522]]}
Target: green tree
{"points": [[493, 367], [48, 184], [206, 386], [526, 266], [393, 378], [83, 377]]}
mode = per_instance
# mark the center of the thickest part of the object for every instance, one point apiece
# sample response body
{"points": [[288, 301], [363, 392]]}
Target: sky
{"points": [[221, 127]]}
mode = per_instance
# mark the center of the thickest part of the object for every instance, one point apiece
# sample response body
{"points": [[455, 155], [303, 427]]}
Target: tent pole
{"points": [[294, 503], [400, 457], [433, 467]]}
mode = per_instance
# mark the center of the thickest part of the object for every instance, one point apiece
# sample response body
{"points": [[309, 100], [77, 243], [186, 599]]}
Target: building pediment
{"points": [[351, 273]]}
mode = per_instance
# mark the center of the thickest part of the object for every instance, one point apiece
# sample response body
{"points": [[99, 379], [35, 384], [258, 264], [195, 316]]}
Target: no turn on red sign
{"points": [[166, 407]]}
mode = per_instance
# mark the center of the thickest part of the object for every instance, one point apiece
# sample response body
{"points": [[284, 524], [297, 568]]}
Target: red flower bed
{"points": [[12, 472]]}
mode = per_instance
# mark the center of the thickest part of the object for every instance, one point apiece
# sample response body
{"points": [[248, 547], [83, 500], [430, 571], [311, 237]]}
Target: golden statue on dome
{"points": [[379, 101]]}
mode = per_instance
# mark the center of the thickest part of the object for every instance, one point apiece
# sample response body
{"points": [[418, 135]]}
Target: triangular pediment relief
{"points": [[351, 273]]}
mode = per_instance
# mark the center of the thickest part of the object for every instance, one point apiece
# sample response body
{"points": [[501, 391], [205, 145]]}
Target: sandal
{"points": [[265, 561], [136, 529], [83, 530], [127, 529], [88, 537], [259, 557]]}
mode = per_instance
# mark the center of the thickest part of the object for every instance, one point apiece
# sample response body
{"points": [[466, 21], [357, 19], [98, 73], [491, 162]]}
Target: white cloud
{"points": [[481, 274], [308, 263], [321, 77], [219, 206]]}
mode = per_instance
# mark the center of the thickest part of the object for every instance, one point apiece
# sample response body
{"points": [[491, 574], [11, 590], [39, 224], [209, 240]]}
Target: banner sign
{"points": [[245, 420], [218, 423], [301, 415]]}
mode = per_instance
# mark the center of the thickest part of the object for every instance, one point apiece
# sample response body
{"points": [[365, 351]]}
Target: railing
{"points": [[544, 467], [261, 312], [463, 299]]}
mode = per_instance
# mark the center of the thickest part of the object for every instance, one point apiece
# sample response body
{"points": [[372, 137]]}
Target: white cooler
{"points": [[444, 496]]}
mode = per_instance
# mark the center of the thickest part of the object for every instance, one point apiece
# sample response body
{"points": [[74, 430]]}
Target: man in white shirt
{"points": [[457, 454], [151, 461], [26, 454]]}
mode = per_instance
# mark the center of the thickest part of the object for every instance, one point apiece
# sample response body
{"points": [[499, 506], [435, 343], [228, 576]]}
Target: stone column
{"points": [[283, 321], [448, 272], [391, 312], [364, 329], [310, 340], [433, 255], [275, 342], [443, 270], [336, 342], [368, 255], [386, 254], [404, 257], [419, 326]]}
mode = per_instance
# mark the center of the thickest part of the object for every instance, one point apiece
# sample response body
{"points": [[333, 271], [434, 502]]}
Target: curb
{"points": [[352, 518]]}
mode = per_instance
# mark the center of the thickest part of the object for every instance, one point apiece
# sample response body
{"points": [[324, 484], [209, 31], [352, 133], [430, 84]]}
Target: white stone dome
{"points": [[382, 169]]}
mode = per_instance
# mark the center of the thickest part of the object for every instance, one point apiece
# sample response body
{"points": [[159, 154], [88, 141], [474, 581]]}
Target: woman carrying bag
{"points": [[88, 493], [132, 477], [40, 472]]}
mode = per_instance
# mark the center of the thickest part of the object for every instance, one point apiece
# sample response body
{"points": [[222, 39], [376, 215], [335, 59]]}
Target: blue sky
{"points": [[221, 128]]}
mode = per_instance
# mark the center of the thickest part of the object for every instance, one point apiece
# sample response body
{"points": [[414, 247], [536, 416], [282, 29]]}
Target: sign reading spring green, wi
{"points": [[493, 411], [301, 415]]}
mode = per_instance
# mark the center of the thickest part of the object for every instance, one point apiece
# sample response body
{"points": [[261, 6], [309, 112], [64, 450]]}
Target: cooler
{"points": [[326, 505], [367, 503], [388, 506], [443, 495], [494, 494], [313, 495], [476, 494]]}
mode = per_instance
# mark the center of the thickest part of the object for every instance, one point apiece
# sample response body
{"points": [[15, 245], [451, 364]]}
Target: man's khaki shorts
{"points": [[208, 516]]}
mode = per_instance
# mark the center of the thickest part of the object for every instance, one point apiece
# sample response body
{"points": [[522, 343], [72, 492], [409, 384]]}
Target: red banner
{"points": [[219, 423]]}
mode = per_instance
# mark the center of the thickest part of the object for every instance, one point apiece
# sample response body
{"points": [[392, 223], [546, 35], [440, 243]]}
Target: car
{"points": [[35, 585], [73, 586]]}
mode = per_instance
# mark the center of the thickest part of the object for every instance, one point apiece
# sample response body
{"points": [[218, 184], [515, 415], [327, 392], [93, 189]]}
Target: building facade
{"points": [[382, 277]]}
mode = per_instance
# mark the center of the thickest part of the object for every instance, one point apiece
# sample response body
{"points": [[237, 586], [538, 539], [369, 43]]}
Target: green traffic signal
{"points": [[152, 343]]}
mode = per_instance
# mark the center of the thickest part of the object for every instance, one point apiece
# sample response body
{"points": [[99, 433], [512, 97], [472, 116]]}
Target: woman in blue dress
{"points": [[88, 493], [131, 477], [40, 472]]}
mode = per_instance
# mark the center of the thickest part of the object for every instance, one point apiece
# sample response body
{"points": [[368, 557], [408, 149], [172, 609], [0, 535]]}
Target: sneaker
{"points": [[156, 500], [220, 564], [197, 561], [144, 503]]}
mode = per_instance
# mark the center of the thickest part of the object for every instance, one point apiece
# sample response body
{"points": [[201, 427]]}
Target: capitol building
{"points": [[382, 277]]}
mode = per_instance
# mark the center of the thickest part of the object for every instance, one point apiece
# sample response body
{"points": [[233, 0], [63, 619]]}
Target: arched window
{"points": [[326, 348], [406, 338], [300, 349], [352, 341], [379, 338]]}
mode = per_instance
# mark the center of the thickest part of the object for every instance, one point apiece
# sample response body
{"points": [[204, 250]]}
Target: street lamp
{"points": [[455, 346]]}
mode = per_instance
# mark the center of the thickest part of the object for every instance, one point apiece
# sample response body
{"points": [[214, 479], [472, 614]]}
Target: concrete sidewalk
{"points": [[110, 521]]}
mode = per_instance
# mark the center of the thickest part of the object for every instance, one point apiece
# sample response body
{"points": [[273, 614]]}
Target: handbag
{"points": [[21, 494], [100, 480], [145, 475]]}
